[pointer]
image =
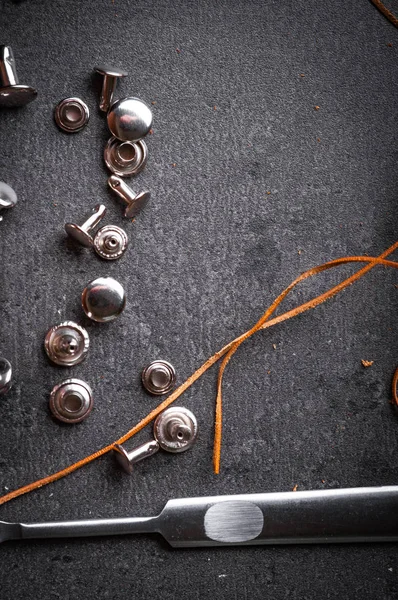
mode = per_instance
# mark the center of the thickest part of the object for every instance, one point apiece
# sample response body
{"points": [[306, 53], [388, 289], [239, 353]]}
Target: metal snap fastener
{"points": [[110, 242], [80, 233], [158, 377], [135, 202], [129, 119], [67, 344], [71, 401], [125, 158], [5, 376], [71, 115], [12, 94], [103, 299], [8, 197], [110, 76], [176, 429]]}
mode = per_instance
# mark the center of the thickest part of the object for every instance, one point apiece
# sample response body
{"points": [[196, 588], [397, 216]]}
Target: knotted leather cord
{"points": [[263, 323], [384, 10]]}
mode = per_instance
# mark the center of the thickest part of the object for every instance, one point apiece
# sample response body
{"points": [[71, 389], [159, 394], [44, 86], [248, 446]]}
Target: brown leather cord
{"points": [[395, 387], [262, 323], [387, 13]]}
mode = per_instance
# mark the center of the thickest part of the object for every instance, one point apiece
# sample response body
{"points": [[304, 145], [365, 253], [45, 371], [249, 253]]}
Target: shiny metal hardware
{"points": [[175, 430], [71, 115], [67, 344], [8, 197], [12, 93], [135, 202], [351, 515], [110, 242], [128, 459], [80, 233], [158, 377], [110, 77], [125, 158], [129, 119], [103, 299], [71, 401], [5, 376]]}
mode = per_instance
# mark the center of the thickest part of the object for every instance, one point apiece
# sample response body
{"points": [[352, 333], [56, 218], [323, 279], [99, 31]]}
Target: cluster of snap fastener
{"points": [[103, 299]]}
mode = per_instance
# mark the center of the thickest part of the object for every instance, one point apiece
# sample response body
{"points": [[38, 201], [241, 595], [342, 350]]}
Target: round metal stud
{"points": [[176, 429], [125, 158], [110, 242], [5, 376], [16, 95], [129, 119], [71, 401], [103, 299], [8, 197], [67, 344], [71, 115], [158, 377], [12, 93]]}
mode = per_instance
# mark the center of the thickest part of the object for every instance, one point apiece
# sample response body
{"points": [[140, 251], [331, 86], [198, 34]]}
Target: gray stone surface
{"points": [[207, 256]]}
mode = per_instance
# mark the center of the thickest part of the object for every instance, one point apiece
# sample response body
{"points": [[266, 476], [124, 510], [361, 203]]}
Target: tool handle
{"points": [[326, 516]]}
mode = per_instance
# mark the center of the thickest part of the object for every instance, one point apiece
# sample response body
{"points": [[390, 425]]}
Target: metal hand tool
{"points": [[327, 516]]}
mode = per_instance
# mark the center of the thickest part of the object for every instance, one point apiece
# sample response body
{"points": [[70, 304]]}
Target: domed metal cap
{"points": [[176, 429], [103, 299], [129, 119], [8, 197], [71, 115], [158, 377], [71, 401], [110, 242], [5, 376], [67, 344]]}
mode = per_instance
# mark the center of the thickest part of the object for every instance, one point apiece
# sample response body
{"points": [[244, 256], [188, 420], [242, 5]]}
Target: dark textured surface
{"points": [[208, 255]]}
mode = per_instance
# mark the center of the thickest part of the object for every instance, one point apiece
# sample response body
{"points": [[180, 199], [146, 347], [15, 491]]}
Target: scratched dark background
{"points": [[207, 256]]}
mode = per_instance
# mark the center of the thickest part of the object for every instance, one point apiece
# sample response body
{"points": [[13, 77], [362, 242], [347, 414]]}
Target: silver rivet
{"points": [[81, 232], [103, 299], [158, 377], [71, 115], [110, 77], [5, 376], [129, 119], [8, 197], [110, 242], [125, 158], [71, 401], [135, 202], [127, 459], [67, 344], [175, 430], [11, 92]]}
